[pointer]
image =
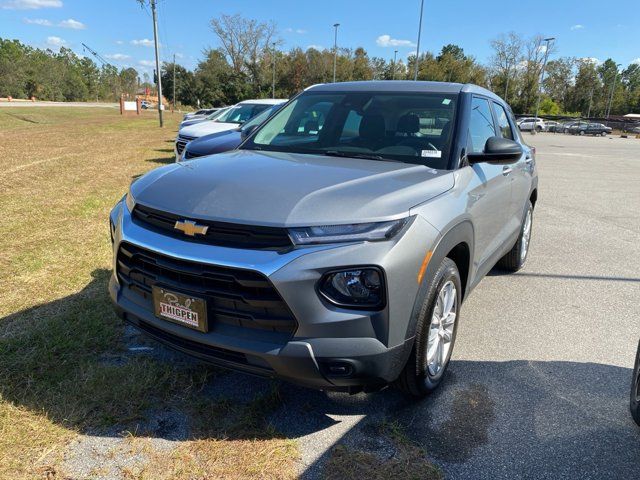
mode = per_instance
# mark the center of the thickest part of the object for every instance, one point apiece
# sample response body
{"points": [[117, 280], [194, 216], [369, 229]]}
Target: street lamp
{"points": [[273, 73], [415, 75], [613, 86], [395, 55], [335, 50], [544, 65]]}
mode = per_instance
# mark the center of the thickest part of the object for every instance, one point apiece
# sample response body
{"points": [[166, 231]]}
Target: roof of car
{"points": [[402, 86], [263, 101]]}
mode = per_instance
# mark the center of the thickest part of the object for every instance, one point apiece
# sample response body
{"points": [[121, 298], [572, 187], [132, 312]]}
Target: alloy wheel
{"points": [[441, 328]]}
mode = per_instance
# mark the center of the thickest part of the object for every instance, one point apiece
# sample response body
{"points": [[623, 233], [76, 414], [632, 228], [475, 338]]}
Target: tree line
{"points": [[243, 67]]}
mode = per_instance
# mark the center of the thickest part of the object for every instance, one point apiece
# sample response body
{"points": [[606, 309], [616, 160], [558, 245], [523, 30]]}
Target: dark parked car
{"points": [[224, 141], [635, 389], [584, 128]]}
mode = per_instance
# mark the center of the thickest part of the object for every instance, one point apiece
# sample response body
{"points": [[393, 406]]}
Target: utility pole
{"points": [[395, 55], [544, 65], [273, 75], [613, 86], [335, 50], [590, 100], [415, 75], [174, 81], [155, 40]]}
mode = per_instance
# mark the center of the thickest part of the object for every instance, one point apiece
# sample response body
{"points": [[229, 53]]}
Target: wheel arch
{"points": [[456, 244]]}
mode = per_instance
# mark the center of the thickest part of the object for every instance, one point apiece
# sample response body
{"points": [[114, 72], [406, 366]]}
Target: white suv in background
{"points": [[232, 118], [527, 124]]}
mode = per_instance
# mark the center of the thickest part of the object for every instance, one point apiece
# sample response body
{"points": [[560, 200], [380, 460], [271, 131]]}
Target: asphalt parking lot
{"points": [[539, 383]]}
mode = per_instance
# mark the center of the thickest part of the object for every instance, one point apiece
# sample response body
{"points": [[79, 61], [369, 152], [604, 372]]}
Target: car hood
{"points": [[281, 189], [215, 143], [205, 128]]}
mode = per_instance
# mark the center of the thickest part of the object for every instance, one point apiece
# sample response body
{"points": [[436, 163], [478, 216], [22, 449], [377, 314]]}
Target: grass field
{"points": [[64, 367]]}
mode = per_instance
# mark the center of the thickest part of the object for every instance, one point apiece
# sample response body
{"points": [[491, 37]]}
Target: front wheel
{"points": [[517, 256], [581, 132], [435, 333], [635, 390], [604, 134], [538, 129]]}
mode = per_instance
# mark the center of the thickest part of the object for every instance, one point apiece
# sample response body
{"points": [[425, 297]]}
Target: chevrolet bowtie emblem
{"points": [[190, 228]]}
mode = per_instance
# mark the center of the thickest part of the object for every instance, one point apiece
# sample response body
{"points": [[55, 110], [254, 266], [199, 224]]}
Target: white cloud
{"points": [[145, 42], [73, 24], [38, 21], [117, 56], [299, 31], [119, 42], [147, 63], [31, 4], [179, 55], [70, 23], [315, 47], [637, 60], [387, 41], [594, 60], [577, 27], [56, 42]]}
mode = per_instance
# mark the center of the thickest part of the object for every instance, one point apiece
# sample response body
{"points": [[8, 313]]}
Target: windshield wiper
{"points": [[367, 156]]}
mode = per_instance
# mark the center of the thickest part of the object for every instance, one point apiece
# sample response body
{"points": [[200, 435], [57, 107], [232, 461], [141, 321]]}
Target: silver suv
{"points": [[335, 246]]}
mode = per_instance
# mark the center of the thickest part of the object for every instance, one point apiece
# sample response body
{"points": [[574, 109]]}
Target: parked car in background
{"points": [[588, 128], [528, 123], [335, 246], [145, 105], [552, 126], [232, 118], [212, 116], [203, 112], [564, 128], [635, 389], [225, 141]]}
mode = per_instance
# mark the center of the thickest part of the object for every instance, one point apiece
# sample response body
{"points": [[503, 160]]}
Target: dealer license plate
{"points": [[179, 308]]}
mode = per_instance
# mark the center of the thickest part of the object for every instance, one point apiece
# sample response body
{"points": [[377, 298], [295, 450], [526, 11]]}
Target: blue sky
{"points": [[121, 31]]}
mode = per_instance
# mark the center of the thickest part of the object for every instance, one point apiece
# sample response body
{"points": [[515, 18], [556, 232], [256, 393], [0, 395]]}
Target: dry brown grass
{"points": [[62, 170]]}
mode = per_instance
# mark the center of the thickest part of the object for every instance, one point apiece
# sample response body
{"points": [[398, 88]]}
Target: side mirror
{"points": [[245, 132], [497, 150]]}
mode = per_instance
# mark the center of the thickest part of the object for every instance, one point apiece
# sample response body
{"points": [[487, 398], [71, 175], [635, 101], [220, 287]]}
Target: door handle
{"points": [[506, 171], [528, 159]]}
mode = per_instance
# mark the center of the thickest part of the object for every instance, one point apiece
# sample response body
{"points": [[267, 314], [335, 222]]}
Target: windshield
{"points": [[406, 127], [260, 118], [217, 113], [241, 113]]}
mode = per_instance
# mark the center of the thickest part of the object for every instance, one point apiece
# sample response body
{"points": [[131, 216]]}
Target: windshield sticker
{"points": [[432, 153], [446, 101]]}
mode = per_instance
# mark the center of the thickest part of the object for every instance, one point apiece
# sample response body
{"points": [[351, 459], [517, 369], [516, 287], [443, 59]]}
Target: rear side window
{"points": [[503, 121], [480, 125]]}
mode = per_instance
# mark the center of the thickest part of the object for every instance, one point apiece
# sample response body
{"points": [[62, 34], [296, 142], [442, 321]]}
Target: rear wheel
{"points": [[635, 390], [538, 128], [435, 333], [604, 134], [517, 256], [581, 132]]}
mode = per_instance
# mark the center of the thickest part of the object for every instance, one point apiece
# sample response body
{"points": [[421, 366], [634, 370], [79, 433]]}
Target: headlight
{"points": [[130, 201], [358, 232], [354, 288]]}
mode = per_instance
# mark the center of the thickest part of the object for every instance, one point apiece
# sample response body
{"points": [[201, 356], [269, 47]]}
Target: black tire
{"points": [[581, 132], [515, 259], [538, 128], [416, 379], [635, 390]]}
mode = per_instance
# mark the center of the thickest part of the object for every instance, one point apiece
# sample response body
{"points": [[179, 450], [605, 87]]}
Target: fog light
{"points": [[357, 288]]}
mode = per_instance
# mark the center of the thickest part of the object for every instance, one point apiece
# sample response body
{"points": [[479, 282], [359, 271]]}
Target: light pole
{"points": [[395, 55], [155, 40], [335, 50], [415, 75], [613, 86], [273, 74], [544, 65]]}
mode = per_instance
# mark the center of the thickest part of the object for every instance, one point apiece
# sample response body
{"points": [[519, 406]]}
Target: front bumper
{"points": [[332, 348]]}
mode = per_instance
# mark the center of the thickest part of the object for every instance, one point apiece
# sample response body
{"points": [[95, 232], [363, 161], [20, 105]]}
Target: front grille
{"points": [[237, 297], [219, 233], [181, 142]]}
